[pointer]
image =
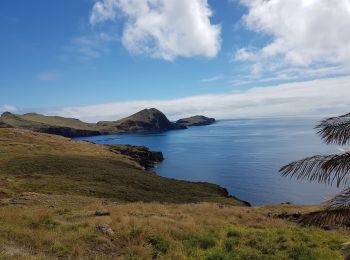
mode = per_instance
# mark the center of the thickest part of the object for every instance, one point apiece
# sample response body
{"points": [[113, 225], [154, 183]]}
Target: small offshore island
{"points": [[87, 200], [196, 121]]}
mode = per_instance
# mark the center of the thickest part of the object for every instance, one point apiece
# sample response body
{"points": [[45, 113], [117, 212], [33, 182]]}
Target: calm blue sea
{"points": [[243, 156]]}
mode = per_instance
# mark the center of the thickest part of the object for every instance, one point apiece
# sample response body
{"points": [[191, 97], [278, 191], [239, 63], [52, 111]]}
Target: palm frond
{"points": [[327, 217], [328, 169], [335, 129], [341, 200]]}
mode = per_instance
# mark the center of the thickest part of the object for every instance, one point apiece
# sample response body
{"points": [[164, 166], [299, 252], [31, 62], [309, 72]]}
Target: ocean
{"points": [[242, 155]]}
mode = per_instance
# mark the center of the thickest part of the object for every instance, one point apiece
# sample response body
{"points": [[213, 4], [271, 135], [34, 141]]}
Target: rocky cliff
{"points": [[142, 155]]}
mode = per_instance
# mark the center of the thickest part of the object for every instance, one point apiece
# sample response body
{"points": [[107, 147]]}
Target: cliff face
{"points": [[68, 131], [196, 121], [147, 120]]}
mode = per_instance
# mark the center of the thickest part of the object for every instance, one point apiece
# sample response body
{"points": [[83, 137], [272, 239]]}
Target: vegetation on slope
{"points": [[37, 162], [58, 121], [44, 124], [37, 226]]}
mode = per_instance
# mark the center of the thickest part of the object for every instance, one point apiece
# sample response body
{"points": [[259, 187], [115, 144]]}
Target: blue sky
{"points": [[64, 56]]}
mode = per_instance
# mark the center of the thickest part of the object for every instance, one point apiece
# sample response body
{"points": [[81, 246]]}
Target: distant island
{"points": [[196, 121], [145, 121]]}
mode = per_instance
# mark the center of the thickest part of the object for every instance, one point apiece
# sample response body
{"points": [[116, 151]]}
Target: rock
{"points": [[105, 229], [329, 227], [142, 155], [284, 215], [102, 213], [196, 121], [287, 203]]}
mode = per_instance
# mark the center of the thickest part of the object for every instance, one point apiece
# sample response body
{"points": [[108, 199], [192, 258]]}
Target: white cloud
{"points": [[290, 74], [48, 76], [7, 108], [316, 97], [212, 79], [245, 55], [304, 33], [92, 46], [164, 29]]}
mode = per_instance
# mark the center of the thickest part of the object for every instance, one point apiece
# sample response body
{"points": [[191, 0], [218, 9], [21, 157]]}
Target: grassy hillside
{"points": [[36, 162], [38, 226], [58, 121], [52, 125], [17, 122]]}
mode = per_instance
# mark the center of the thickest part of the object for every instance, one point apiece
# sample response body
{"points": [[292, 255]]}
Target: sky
{"points": [[105, 59]]}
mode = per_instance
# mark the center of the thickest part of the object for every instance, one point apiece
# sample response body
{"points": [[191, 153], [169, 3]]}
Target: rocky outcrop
{"points": [[145, 121], [196, 121], [142, 155]]}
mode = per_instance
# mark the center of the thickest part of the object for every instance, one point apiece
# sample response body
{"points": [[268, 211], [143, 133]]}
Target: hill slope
{"points": [[58, 121], [39, 226], [44, 124]]}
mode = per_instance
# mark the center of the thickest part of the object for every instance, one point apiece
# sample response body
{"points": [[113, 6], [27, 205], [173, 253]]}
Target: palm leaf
{"points": [[342, 200], [335, 129], [328, 169], [327, 217]]}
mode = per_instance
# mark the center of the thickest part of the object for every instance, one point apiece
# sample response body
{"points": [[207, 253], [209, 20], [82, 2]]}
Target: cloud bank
{"points": [[316, 97], [304, 33], [164, 29]]}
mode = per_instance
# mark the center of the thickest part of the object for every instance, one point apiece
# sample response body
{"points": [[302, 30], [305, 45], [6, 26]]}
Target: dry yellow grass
{"points": [[41, 226]]}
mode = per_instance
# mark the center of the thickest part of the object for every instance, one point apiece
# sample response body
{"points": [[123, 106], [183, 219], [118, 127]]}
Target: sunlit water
{"points": [[243, 156]]}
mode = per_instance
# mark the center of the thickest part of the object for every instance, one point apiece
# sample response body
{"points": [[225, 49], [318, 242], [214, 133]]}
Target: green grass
{"points": [[271, 243], [58, 121]]}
